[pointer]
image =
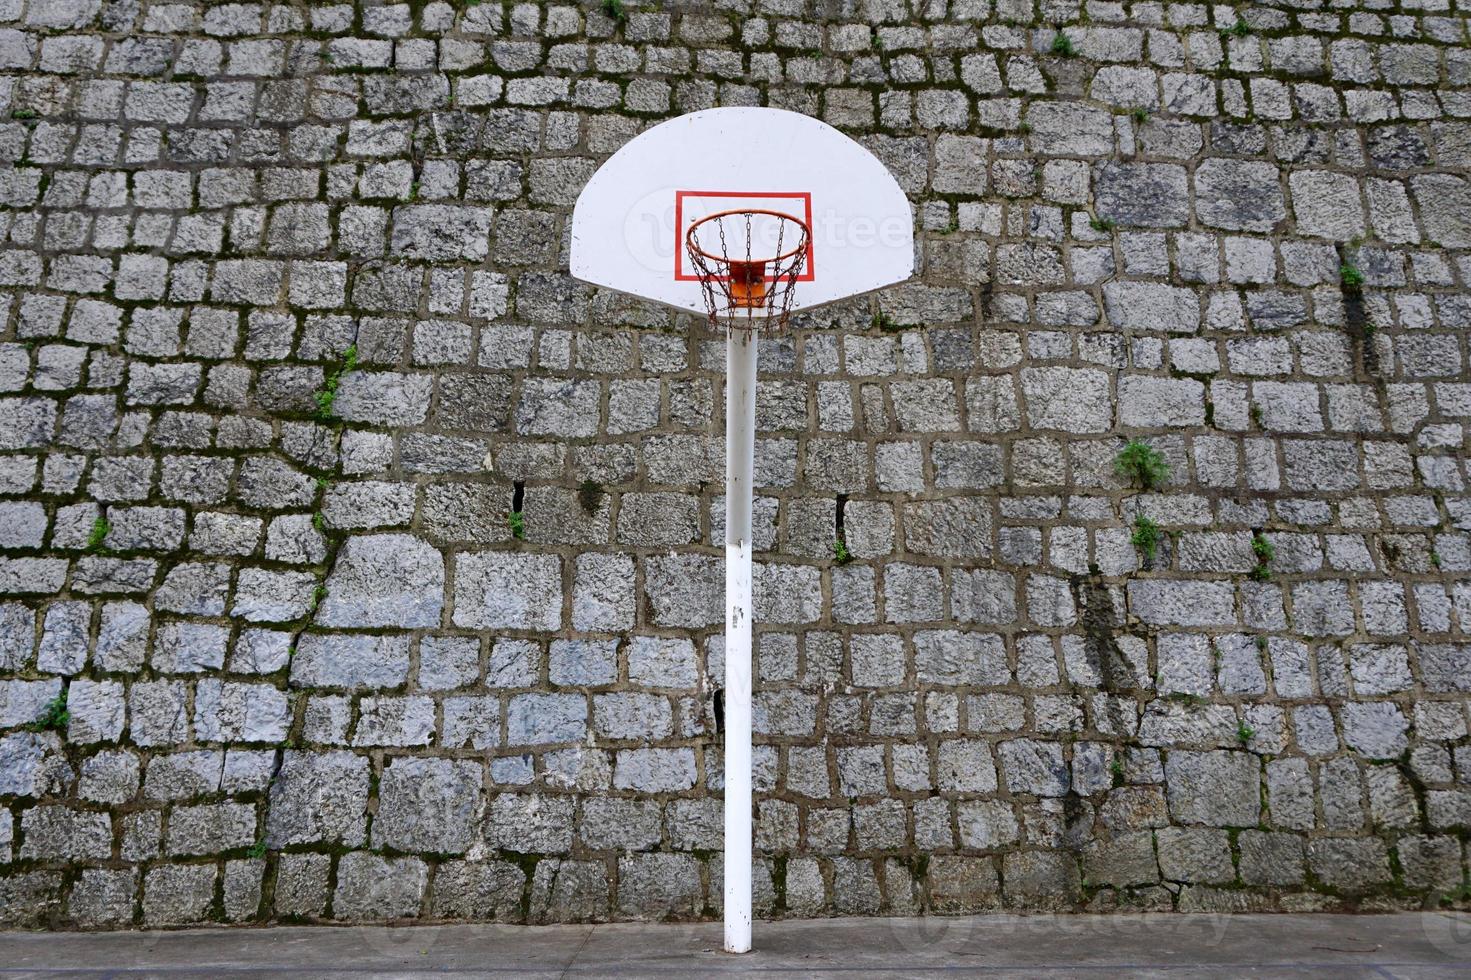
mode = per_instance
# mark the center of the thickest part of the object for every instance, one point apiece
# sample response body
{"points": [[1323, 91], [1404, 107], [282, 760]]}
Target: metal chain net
{"points": [[781, 273]]}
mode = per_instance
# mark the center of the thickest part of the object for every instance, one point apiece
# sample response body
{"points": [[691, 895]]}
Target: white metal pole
{"points": [[740, 450]]}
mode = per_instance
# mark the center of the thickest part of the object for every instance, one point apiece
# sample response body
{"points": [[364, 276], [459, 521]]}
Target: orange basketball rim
{"points": [[736, 276]]}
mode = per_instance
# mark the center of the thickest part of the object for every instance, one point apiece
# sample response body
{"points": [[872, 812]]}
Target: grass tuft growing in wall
{"points": [[54, 717], [1265, 552], [1142, 464], [96, 537], [1146, 537], [327, 397]]}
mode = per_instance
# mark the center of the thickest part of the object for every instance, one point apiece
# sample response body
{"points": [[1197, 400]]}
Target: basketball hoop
{"points": [[742, 288], [736, 252]]}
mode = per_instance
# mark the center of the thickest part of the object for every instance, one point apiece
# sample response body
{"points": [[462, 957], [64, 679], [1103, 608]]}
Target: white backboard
{"points": [[630, 221]]}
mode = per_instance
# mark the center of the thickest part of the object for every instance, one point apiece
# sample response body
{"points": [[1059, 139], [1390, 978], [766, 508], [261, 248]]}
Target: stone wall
{"points": [[289, 339]]}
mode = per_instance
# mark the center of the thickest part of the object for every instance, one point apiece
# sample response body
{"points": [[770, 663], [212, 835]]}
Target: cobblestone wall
{"points": [[372, 554]]}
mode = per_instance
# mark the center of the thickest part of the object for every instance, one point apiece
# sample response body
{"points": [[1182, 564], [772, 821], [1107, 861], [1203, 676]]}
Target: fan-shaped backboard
{"points": [[629, 224]]}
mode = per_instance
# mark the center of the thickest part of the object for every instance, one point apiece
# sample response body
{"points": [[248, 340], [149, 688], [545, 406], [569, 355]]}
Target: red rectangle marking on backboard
{"points": [[681, 275]]}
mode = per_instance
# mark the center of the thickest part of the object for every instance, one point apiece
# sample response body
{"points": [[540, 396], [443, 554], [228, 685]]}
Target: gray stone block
{"points": [[265, 596], [569, 891], [1160, 602], [1238, 195], [22, 702], [60, 833], [353, 661], [1070, 128], [603, 593], [109, 777], [784, 593], [1034, 767], [370, 887], [429, 805], [1122, 860], [478, 890], [632, 716], [384, 580], [542, 719], [685, 590], [32, 764], [97, 709], [383, 397], [1149, 194], [1350, 865], [233, 712], [1195, 855], [629, 825], [1034, 879], [301, 884], [531, 823], [1148, 402], [659, 886], [912, 593], [1067, 399], [1151, 306], [508, 590], [951, 657], [157, 713], [440, 232], [394, 721], [654, 770], [565, 409], [175, 894], [1326, 205], [210, 828], [318, 798], [1218, 789], [1376, 729], [103, 897]]}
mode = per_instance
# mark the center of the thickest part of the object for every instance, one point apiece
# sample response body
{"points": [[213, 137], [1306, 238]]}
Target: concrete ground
{"points": [[1413, 945]]}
